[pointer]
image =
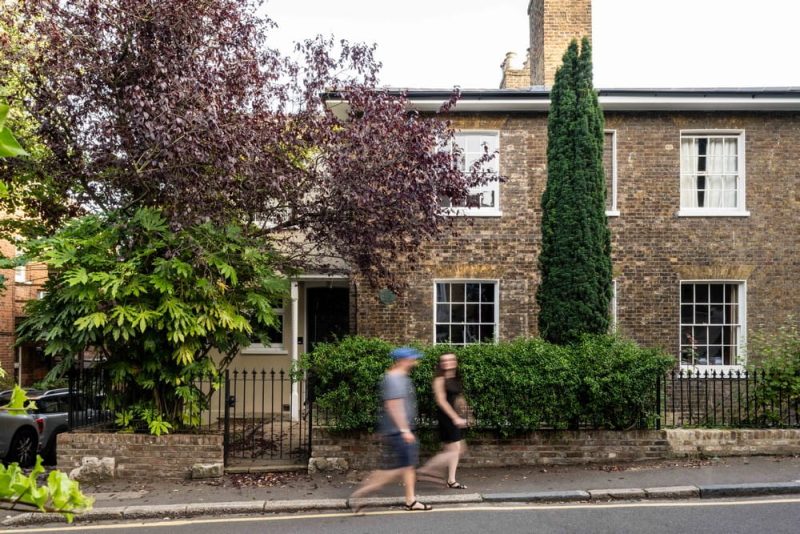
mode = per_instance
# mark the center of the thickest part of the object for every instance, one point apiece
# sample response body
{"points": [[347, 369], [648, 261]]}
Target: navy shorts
{"points": [[397, 453]]}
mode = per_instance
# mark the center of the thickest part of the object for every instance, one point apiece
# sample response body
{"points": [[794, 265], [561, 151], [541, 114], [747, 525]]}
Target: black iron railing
{"points": [[726, 398]]}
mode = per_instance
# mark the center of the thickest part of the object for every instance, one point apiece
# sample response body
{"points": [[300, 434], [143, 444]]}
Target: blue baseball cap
{"points": [[405, 353]]}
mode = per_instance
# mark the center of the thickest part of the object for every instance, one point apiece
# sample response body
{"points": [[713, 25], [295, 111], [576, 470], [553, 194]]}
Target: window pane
{"points": [[457, 315], [487, 333], [442, 313], [473, 314], [457, 293], [442, 334], [701, 314], [701, 292], [487, 313], [700, 334], [473, 292], [473, 333], [717, 293], [717, 314], [487, 292], [457, 334], [715, 335], [700, 356], [442, 292], [687, 293], [687, 315], [715, 355]]}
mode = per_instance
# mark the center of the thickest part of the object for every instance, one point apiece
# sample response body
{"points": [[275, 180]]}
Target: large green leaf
{"points": [[9, 147]]}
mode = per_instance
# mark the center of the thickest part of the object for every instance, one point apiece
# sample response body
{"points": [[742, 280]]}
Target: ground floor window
{"points": [[268, 339], [465, 312], [712, 315]]}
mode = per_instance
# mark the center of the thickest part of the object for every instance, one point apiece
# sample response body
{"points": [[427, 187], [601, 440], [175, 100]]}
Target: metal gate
{"points": [[267, 418]]}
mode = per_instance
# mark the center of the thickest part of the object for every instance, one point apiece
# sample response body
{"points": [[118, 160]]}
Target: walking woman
{"points": [[448, 392]]}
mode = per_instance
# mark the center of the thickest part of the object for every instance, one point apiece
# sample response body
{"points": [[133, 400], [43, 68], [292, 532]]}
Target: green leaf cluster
{"points": [[59, 494], [575, 261], [156, 305], [779, 363], [512, 387], [9, 146]]}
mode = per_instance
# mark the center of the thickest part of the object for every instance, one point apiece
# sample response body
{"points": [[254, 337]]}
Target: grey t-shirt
{"points": [[397, 386]]}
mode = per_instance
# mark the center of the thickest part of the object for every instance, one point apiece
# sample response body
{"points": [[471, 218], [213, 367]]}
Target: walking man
{"points": [[400, 447]]}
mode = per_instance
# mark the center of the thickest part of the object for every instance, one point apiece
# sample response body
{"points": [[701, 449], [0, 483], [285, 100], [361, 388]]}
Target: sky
{"points": [[636, 43]]}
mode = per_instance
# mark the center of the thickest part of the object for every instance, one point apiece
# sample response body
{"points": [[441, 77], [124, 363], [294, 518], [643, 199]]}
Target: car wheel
{"points": [[23, 448]]}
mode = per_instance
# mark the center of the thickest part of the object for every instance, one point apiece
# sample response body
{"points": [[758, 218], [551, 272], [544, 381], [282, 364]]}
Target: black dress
{"points": [[448, 431]]}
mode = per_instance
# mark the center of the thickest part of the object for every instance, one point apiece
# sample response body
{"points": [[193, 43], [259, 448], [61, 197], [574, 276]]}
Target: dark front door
{"points": [[327, 314]]}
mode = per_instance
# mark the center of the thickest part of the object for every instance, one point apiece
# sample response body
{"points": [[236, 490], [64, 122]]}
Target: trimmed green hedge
{"points": [[512, 387]]}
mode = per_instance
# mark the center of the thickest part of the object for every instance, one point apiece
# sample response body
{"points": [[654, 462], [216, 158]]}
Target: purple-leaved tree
{"points": [[182, 105]]}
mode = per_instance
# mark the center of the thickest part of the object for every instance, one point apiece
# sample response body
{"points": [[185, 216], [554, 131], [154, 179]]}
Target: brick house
{"points": [[24, 364], [702, 205]]}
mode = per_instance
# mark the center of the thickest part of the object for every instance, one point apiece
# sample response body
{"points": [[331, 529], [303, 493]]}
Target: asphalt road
{"points": [[774, 516]]}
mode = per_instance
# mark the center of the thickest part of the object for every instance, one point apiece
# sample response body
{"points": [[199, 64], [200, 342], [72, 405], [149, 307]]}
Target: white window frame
{"points": [[20, 271], [741, 349], [614, 293], [614, 211], [496, 283], [272, 348], [495, 211], [741, 193]]}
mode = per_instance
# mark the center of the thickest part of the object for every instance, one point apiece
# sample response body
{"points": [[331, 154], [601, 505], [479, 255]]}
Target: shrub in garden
{"points": [[512, 388], [779, 360], [345, 378], [617, 380]]}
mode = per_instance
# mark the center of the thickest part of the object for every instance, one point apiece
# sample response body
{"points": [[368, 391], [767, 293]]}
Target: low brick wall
{"points": [[141, 455], [734, 442], [362, 451]]}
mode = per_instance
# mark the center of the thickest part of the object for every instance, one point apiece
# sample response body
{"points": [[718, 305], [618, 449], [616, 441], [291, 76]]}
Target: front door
{"points": [[327, 314]]}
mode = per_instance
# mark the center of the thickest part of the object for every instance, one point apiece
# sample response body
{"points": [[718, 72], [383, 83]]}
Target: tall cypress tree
{"points": [[575, 261]]}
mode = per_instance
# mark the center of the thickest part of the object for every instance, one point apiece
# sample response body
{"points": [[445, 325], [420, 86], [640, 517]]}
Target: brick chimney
{"points": [[514, 75], [553, 24]]}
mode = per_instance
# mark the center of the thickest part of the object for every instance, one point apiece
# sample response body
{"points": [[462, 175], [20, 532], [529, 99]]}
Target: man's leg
{"points": [[409, 480]]}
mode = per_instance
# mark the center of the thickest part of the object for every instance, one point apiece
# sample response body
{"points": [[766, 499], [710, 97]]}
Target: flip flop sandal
{"points": [[456, 485], [417, 506]]}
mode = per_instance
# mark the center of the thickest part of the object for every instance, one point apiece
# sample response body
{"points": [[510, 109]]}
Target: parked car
{"points": [[52, 413], [20, 438]]}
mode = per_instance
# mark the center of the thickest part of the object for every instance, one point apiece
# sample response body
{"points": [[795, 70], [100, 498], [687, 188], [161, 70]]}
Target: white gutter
{"points": [[608, 103]]}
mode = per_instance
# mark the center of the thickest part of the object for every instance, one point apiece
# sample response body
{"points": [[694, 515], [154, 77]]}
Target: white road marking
{"points": [[466, 508]]}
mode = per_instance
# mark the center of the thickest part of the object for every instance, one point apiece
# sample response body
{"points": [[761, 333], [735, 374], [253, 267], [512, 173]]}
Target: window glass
{"points": [[465, 312], [710, 324]]}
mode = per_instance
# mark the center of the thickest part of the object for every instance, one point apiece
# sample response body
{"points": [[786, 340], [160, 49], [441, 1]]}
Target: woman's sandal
{"points": [[456, 485], [417, 506]]}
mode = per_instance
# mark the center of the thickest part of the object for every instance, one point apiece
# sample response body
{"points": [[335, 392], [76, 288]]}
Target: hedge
{"points": [[512, 387]]}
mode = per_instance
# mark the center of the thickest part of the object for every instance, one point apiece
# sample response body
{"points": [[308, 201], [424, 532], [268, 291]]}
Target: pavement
{"points": [[259, 493]]}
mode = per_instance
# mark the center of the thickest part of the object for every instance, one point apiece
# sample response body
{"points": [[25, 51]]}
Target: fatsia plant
{"points": [[159, 307], [21, 491]]}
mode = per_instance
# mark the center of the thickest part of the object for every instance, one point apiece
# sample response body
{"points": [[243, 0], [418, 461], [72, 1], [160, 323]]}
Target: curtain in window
{"points": [[688, 173], [730, 158], [715, 168]]}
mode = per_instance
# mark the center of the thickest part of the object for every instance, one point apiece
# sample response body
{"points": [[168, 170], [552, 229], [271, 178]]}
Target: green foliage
{"points": [[9, 147], [512, 387], [345, 377], [779, 360], [59, 494], [618, 380], [575, 262], [154, 303], [19, 404]]}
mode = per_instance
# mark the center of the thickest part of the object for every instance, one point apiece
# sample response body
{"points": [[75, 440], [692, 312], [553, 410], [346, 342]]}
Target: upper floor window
{"points": [[482, 199], [20, 271], [610, 171], [712, 173]]}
